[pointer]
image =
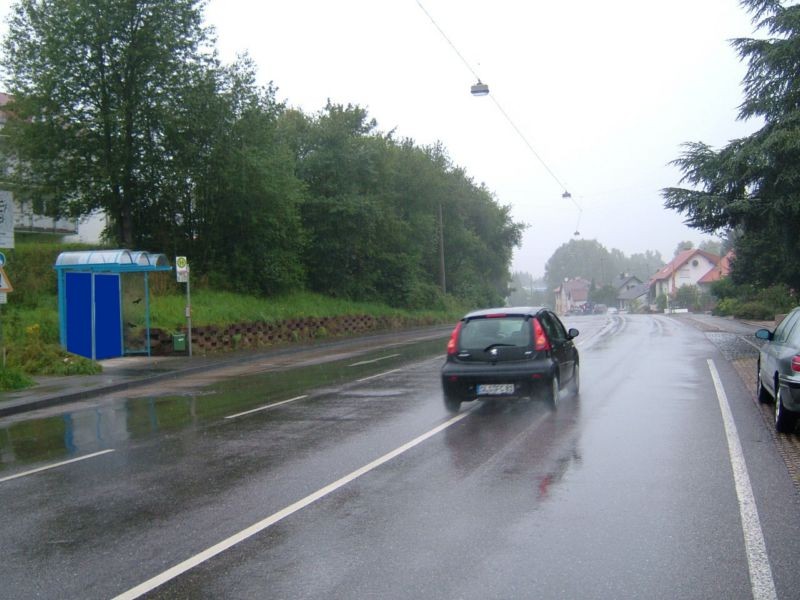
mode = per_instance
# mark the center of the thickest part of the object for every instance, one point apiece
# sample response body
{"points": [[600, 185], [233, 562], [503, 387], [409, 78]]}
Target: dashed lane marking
{"points": [[228, 543], [55, 466], [376, 376], [374, 360], [266, 407]]}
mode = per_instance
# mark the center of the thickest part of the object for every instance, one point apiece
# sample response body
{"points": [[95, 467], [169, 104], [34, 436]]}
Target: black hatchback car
{"points": [[509, 353]]}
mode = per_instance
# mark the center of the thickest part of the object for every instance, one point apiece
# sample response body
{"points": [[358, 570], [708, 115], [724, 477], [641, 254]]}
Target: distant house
{"points": [[689, 267], [625, 284], [634, 297], [26, 219], [623, 281], [571, 295], [722, 270]]}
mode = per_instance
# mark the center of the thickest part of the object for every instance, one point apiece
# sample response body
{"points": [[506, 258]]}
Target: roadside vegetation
{"points": [[187, 156], [749, 190], [280, 212], [746, 301], [30, 325]]}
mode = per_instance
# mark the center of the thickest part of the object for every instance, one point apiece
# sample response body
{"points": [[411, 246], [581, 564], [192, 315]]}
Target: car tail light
{"points": [[540, 341], [796, 363], [453, 343]]}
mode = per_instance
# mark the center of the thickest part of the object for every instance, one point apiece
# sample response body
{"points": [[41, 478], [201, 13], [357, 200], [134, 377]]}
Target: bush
{"points": [[425, 296], [687, 296], [727, 307], [757, 311], [778, 298], [13, 379], [749, 300], [35, 356], [724, 288], [30, 269]]}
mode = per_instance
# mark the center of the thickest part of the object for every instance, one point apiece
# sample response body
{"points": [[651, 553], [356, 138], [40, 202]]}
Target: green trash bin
{"points": [[179, 342]]}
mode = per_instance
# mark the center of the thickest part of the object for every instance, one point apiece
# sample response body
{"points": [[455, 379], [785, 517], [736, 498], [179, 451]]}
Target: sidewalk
{"points": [[118, 374], [133, 371]]}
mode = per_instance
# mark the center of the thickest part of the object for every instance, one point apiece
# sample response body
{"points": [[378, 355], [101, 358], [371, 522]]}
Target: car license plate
{"points": [[495, 389]]}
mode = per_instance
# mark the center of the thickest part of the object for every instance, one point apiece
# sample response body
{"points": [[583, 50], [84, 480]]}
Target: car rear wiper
{"points": [[490, 346]]}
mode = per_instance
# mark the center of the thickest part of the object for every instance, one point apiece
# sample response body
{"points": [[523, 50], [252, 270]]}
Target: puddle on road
{"points": [[92, 429]]}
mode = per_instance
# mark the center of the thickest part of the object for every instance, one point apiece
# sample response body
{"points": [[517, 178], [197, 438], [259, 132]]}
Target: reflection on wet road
{"points": [[370, 489], [162, 407]]}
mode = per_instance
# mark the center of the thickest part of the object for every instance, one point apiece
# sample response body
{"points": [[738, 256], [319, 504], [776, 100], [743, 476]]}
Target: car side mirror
{"points": [[572, 333], [764, 334]]}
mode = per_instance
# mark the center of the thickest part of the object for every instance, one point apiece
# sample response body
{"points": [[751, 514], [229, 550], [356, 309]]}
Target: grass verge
{"points": [[30, 332]]}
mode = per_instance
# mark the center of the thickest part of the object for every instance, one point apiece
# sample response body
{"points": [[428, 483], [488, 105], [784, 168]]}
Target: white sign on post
{"points": [[182, 269], [6, 220]]}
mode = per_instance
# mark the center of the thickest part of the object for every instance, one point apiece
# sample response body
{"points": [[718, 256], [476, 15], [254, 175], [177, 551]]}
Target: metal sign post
{"points": [[5, 287], [182, 271]]}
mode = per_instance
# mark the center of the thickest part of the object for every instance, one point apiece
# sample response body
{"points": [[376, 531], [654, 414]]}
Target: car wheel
{"points": [[452, 404], [761, 392], [785, 419], [552, 392], [575, 384]]}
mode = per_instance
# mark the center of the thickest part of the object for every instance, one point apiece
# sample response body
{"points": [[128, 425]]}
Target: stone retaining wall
{"points": [[210, 339]]}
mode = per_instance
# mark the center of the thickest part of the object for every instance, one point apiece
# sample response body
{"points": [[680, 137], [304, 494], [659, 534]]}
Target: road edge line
{"points": [[761, 580]]}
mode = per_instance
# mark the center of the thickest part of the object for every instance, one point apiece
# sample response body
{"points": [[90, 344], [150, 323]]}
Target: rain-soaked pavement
{"points": [[356, 483]]}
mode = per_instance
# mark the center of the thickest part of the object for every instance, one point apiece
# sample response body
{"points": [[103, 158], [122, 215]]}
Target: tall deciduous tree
{"points": [[97, 87], [372, 216], [752, 185], [244, 202], [591, 260]]}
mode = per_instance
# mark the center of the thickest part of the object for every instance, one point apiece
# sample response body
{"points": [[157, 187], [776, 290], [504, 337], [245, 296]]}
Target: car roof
{"points": [[511, 311]]}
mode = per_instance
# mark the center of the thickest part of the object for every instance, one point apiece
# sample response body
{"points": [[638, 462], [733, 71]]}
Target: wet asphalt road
{"points": [[624, 492]]}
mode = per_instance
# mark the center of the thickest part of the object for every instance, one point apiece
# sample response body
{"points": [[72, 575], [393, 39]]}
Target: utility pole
{"points": [[441, 249]]}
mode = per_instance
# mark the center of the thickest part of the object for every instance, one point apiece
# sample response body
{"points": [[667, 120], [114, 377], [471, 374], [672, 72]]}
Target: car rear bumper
{"points": [[460, 381], [791, 395]]}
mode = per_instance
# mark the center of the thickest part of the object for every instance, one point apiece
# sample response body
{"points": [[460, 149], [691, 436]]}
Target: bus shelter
{"points": [[104, 301]]}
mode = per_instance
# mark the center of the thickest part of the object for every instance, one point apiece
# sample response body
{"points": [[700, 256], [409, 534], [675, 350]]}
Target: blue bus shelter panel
{"points": [[90, 300], [79, 313], [107, 317]]}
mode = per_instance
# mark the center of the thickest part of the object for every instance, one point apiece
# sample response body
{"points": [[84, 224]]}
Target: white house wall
{"points": [[27, 220], [692, 271]]}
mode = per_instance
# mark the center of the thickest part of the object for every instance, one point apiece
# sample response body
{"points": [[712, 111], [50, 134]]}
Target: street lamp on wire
{"points": [[482, 89]]}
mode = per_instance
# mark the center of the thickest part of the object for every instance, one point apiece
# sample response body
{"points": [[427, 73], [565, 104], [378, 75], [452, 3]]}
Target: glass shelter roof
{"points": [[112, 261]]}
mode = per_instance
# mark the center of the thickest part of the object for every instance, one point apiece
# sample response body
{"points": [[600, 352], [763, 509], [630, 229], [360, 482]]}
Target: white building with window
{"points": [[25, 219]]}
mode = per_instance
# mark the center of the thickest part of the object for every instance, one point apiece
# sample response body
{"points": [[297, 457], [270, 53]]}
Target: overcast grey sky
{"points": [[604, 92]]}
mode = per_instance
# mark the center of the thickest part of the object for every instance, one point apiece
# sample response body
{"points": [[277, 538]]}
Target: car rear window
{"points": [[785, 327], [483, 332], [793, 334]]}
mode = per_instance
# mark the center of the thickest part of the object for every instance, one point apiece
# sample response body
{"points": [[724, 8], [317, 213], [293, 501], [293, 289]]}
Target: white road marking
{"points": [[267, 406], [761, 580], [54, 466], [376, 376], [374, 360], [228, 543]]}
